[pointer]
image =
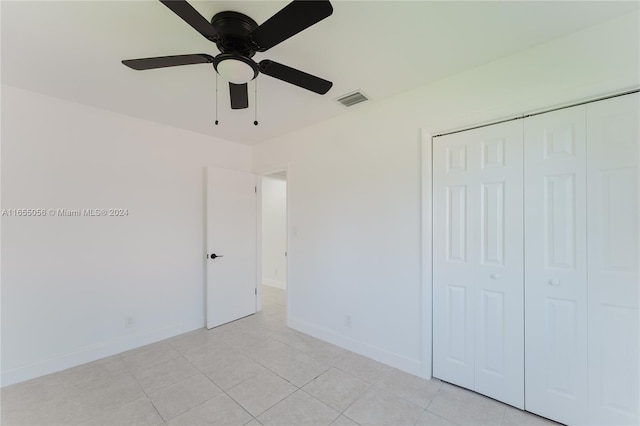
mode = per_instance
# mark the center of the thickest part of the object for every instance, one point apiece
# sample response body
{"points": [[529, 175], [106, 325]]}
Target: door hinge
{"points": [[255, 189], [255, 291]]}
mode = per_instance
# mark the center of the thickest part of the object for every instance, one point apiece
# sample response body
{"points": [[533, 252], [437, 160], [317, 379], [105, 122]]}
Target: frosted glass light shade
{"points": [[235, 71]]}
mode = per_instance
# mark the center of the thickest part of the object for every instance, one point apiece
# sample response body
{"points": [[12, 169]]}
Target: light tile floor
{"points": [[250, 372]]}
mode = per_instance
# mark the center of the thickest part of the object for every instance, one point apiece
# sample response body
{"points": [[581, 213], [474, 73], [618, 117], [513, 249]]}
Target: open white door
{"points": [[231, 245]]}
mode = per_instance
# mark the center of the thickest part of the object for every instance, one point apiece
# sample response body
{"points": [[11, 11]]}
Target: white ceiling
{"points": [[72, 50]]}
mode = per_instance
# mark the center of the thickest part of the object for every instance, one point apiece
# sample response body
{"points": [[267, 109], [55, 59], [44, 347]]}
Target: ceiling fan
{"points": [[238, 38]]}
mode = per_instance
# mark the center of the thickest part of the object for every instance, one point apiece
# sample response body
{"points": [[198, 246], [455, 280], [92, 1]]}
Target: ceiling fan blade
{"points": [[289, 21], [191, 16], [167, 61], [294, 76], [239, 95]]}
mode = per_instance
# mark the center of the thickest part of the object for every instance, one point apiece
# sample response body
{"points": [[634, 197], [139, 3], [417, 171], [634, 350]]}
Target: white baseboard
{"points": [[274, 283], [411, 366], [92, 353]]}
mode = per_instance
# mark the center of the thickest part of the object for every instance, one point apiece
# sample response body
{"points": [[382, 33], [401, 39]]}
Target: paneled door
{"points": [[478, 261], [231, 245], [613, 137], [453, 260], [556, 265]]}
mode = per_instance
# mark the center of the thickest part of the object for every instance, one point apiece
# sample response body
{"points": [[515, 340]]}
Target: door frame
{"points": [[426, 278], [261, 174]]}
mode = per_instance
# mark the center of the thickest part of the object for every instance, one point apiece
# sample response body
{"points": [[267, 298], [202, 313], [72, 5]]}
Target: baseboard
{"points": [[92, 353], [274, 283], [411, 366]]}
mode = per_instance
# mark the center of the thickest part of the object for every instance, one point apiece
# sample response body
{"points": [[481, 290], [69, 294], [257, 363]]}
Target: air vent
{"points": [[352, 99]]}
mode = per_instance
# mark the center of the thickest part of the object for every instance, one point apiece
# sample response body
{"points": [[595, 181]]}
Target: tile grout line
{"points": [[142, 388], [267, 369], [357, 399], [126, 373], [219, 387], [376, 386]]}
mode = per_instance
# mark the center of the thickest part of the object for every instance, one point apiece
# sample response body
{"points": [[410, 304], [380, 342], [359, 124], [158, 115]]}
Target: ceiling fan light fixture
{"points": [[238, 38], [235, 69]]}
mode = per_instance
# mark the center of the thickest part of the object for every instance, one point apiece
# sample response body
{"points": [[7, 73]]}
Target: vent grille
{"points": [[352, 99]]}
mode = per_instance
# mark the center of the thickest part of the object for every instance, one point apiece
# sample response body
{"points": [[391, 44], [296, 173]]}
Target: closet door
{"points": [[478, 261], [498, 274], [454, 258], [556, 265], [613, 138]]}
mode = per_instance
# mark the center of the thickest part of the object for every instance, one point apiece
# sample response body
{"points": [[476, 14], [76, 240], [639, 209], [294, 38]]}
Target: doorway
{"points": [[274, 244]]}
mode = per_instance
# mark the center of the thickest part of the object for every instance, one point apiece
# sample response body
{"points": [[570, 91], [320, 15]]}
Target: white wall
{"points": [[69, 282], [355, 181], [274, 232]]}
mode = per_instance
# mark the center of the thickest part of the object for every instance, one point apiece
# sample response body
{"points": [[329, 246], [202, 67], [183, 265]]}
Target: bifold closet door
{"points": [[613, 137], [556, 265], [478, 261]]}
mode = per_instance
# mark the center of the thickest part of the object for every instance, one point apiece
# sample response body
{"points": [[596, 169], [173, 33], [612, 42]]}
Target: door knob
{"points": [[495, 276], [554, 282], [213, 256]]}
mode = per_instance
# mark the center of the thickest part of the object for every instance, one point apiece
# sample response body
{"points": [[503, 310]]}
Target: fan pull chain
{"points": [[255, 104], [216, 99]]}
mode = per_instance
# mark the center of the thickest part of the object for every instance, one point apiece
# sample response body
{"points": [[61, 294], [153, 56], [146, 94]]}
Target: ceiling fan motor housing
{"points": [[233, 30]]}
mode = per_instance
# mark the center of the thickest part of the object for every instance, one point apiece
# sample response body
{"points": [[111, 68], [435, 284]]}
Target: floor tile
{"points": [[377, 407], [465, 407], [228, 368], [299, 368], [299, 409], [343, 421], [412, 388], [101, 401], [183, 395], [279, 315], [218, 411], [337, 389], [249, 343], [56, 411], [97, 384], [293, 338], [26, 395], [271, 308], [201, 356], [261, 392], [325, 352], [92, 375], [139, 412], [165, 374], [271, 353], [430, 419], [148, 356], [192, 341], [513, 416], [362, 367]]}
